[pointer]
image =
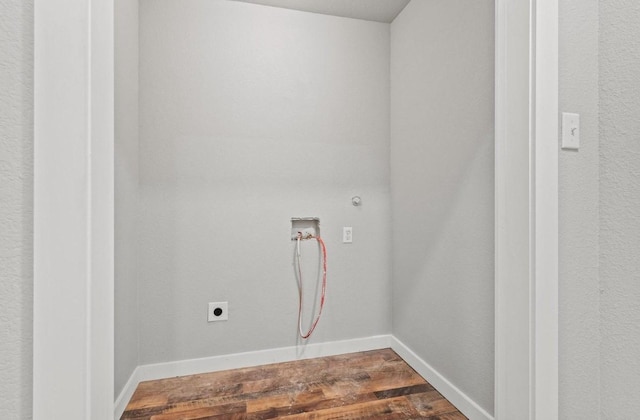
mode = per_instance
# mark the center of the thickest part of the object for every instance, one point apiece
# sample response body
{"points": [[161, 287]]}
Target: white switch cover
{"points": [[570, 131], [347, 235]]}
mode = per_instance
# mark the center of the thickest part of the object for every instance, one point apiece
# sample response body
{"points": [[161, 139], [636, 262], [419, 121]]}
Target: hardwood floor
{"points": [[368, 385]]}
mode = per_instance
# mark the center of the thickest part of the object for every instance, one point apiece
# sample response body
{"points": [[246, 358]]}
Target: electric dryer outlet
{"points": [[218, 311]]}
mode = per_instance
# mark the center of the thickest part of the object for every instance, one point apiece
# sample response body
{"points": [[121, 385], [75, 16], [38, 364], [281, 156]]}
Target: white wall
{"points": [[600, 340], [126, 184], [16, 208], [579, 295], [251, 115], [599, 198], [620, 208], [442, 174]]}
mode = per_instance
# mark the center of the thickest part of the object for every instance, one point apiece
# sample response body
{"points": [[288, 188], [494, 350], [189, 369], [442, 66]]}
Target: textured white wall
{"points": [[251, 115], [442, 174], [16, 208], [599, 218], [126, 194], [579, 296], [620, 208]]}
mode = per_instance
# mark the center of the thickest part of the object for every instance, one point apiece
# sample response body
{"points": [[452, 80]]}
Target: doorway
{"points": [[88, 318]]}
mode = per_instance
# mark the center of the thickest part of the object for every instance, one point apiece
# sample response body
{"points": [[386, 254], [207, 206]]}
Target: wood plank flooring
{"points": [[368, 385]]}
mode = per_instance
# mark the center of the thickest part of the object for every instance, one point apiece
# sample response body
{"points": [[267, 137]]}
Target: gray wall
{"points": [[579, 201], [126, 185], [251, 115], [442, 183], [16, 208], [599, 218], [620, 208], [579, 213]]}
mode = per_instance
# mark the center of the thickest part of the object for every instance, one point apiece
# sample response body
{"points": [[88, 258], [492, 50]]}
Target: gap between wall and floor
{"points": [[285, 354]]}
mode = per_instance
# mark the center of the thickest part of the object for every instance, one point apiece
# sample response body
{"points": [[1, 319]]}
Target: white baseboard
{"points": [[285, 354], [466, 405], [125, 395], [240, 360]]}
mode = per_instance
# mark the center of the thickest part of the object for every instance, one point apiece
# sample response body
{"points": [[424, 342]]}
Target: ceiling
{"points": [[375, 10]]}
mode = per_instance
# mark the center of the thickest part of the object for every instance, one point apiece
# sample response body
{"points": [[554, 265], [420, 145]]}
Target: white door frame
{"points": [[73, 333], [73, 210], [526, 299]]}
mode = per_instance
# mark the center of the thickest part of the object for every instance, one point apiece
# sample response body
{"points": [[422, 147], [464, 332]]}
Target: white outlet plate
{"points": [[347, 235], [223, 308]]}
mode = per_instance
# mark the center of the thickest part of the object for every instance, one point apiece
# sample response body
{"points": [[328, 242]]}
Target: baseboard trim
{"points": [[127, 392], [240, 360], [285, 354], [466, 405]]}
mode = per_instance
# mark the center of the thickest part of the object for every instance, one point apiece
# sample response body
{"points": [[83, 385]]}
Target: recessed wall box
{"points": [[307, 227]]}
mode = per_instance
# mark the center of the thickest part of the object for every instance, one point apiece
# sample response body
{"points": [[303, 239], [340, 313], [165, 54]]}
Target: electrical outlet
{"points": [[347, 235], [218, 311]]}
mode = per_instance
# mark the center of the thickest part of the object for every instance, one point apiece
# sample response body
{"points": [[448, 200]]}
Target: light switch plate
{"points": [[570, 131]]}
